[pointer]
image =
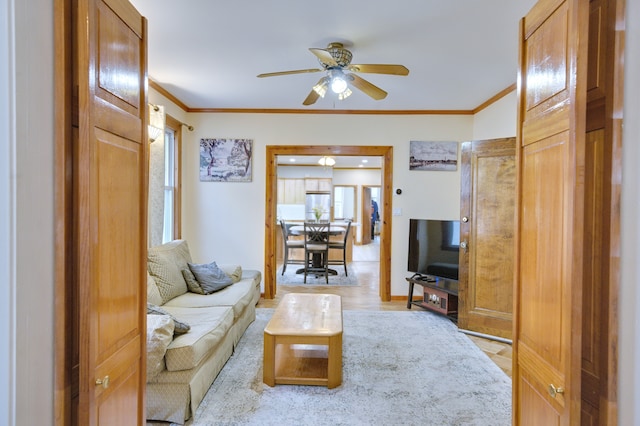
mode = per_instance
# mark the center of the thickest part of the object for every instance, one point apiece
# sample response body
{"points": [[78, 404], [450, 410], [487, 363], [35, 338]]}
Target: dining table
{"points": [[336, 228]]}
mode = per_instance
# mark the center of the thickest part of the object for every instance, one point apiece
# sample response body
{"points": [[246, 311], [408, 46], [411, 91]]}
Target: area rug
{"points": [[291, 278], [399, 368]]}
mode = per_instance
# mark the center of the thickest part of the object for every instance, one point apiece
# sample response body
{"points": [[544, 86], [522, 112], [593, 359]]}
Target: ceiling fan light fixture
{"points": [[344, 94], [338, 84], [321, 87]]}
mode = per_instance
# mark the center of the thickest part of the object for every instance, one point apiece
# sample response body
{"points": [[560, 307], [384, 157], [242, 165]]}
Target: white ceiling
{"points": [[207, 53]]}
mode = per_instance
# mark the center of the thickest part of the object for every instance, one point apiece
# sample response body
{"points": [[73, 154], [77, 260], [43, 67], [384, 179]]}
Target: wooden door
{"points": [[366, 215], [601, 220], [110, 180], [550, 207], [487, 212]]}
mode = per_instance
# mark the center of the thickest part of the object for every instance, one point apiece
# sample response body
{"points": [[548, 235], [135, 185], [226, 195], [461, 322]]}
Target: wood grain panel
{"points": [[597, 53], [546, 59], [593, 289], [118, 58], [119, 217], [494, 233], [532, 401], [544, 308]]}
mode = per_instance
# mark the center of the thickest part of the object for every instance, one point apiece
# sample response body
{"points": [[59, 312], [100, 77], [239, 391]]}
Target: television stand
{"points": [[439, 295]]}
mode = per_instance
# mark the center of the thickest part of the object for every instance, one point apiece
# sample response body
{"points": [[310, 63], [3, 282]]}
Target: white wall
{"points": [[629, 343], [499, 120], [28, 57], [225, 221], [7, 205]]}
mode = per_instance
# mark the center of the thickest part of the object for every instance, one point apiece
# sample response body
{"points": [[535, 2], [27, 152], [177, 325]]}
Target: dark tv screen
{"points": [[434, 247]]}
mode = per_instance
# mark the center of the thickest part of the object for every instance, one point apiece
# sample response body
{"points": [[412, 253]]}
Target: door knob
{"points": [[104, 382], [553, 391], [465, 219], [463, 245]]}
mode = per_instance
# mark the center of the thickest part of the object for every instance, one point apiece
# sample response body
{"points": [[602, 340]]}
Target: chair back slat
{"points": [[317, 232]]}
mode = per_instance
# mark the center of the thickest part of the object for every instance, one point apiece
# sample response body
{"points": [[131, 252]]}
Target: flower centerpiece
{"points": [[318, 212]]}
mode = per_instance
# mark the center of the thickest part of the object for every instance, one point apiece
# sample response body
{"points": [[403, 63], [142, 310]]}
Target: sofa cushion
{"points": [[209, 326], [210, 277], [237, 296], [179, 327], [159, 337], [165, 263], [153, 294]]}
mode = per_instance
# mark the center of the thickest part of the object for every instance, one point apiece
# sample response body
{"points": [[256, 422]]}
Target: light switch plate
{"points": [[397, 211]]}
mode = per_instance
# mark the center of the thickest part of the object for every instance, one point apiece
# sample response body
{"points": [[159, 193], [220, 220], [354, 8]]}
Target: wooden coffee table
{"points": [[303, 341]]}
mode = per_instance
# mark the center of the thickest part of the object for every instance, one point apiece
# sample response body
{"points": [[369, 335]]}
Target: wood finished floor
{"points": [[365, 297]]}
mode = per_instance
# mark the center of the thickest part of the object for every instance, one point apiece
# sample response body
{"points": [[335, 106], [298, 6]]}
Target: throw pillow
{"points": [[192, 283], [233, 271], [180, 327], [159, 336], [210, 277], [153, 294], [164, 263]]}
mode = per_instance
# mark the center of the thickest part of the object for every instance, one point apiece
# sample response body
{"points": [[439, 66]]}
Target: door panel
{"points": [[110, 178], [486, 267], [550, 207], [366, 215]]}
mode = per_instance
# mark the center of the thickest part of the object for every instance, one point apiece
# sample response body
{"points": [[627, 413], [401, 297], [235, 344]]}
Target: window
{"points": [[172, 148]]}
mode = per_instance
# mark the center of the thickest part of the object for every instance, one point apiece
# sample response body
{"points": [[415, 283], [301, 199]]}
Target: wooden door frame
{"points": [[271, 201]]}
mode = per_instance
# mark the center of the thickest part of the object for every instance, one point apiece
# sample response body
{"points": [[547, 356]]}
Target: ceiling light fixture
{"points": [[338, 84], [321, 87], [345, 94], [337, 81], [327, 161]]}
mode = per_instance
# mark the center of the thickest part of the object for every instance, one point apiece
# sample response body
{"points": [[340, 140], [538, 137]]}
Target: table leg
{"points": [[334, 367], [269, 360], [410, 297]]}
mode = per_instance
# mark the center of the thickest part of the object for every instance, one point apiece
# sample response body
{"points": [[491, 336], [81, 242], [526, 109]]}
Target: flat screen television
{"points": [[434, 247]]}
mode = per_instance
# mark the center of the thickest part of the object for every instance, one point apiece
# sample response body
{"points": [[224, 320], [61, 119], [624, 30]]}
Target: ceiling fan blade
{"points": [[311, 99], [273, 74], [374, 91], [379, 69], [324, 56]]}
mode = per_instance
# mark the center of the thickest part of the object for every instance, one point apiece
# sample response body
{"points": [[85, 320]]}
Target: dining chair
{"points": [[316, 249], [341, 245], [289, 244]]}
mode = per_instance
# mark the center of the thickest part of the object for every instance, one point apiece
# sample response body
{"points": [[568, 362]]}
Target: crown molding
{"points": [[332, 111], [494, 98], [164, 92], [156, 86]]}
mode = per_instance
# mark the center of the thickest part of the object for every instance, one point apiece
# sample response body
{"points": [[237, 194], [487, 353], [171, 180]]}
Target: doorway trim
{"points": [[271, 201]]}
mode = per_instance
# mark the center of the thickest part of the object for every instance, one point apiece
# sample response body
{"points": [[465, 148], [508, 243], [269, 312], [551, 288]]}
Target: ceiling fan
{"points": [[336, 61]]}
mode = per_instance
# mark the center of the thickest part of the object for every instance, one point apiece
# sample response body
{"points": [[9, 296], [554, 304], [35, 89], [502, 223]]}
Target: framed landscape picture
{"points": [[442, 156], [225, 160]]}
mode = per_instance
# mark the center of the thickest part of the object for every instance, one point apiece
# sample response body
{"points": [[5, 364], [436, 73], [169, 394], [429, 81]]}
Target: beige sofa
{"points": [[181, 368]]}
